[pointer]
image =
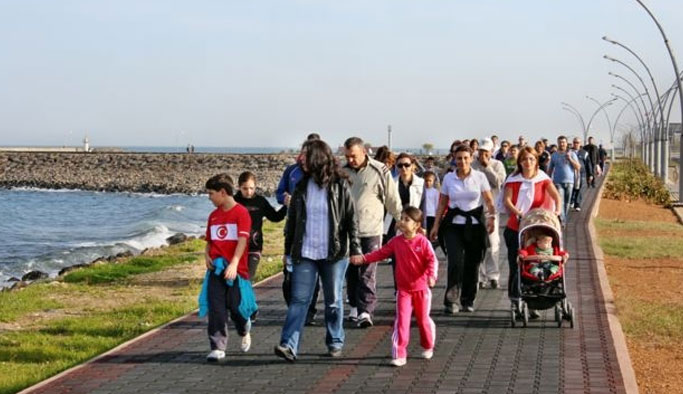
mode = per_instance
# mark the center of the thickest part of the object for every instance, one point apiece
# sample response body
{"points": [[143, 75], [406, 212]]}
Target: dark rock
{"points": [[13, 279], [34, 275], [125, 254], [71, 268], [176, 239]]}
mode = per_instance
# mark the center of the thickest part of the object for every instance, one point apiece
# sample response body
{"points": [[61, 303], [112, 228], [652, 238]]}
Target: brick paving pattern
{"points": [[475, 353]]}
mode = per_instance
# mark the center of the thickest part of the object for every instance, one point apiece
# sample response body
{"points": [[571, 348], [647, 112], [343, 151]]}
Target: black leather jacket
{"points": [[342, 217]]}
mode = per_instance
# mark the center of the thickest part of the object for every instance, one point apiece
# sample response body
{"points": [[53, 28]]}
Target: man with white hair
{"points": [[489, 272]]}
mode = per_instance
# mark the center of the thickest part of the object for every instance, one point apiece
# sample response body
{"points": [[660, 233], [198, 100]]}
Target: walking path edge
{"points": [[620, 346]]}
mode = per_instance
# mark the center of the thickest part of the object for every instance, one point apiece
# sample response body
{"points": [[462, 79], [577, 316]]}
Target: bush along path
{"points": [[475, 352]]}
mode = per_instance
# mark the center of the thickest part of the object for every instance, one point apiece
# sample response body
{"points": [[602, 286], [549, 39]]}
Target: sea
{"points": [[47, 230]]}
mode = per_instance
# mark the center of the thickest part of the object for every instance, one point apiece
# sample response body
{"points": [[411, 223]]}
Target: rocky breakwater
{"points": [[135, 172]]}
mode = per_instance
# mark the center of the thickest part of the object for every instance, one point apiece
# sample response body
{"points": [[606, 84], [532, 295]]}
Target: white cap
{"points": [[486, 144]]}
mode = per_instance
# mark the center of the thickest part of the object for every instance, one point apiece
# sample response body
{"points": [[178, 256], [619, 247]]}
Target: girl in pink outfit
{"points": [[416, 273]]}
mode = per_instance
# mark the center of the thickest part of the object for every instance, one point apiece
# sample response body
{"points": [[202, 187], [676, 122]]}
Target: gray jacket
{"points": [[495, 174], [373, 189]]}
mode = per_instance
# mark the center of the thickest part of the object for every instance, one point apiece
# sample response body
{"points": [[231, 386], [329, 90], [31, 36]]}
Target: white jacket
{"points": [[415, 191]]}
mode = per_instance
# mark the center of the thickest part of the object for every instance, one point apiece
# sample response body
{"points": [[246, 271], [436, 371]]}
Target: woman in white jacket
{"points": [[410, 189]]}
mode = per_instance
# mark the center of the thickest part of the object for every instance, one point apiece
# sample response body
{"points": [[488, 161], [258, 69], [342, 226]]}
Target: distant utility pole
{"points": [[389, 134]]}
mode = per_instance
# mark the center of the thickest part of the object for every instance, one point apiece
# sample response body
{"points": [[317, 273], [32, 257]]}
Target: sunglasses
{"points": [[403, 165]]}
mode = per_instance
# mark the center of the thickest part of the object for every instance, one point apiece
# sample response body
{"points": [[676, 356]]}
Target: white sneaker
{"points": [[353, 313], [428, 354], [246, 343], [398, 362], [364, 320], [215, 355]]}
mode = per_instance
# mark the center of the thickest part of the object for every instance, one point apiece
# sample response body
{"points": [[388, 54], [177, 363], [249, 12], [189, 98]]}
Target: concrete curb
{"points": [[122, 346], [619, 340]]}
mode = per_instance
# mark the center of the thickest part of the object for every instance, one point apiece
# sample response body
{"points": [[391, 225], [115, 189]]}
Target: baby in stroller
{"points": [[544, 267]]}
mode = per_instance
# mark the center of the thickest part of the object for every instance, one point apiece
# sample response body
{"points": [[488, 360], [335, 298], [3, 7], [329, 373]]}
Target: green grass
{"points": [[632, 225], [107, 273], [650, 321], [48, 347], [627, 247], [29, 356], [15, 304]]}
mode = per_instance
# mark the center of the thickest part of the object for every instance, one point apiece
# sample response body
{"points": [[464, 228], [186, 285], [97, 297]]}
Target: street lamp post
{"points": [[663, 141], [645, 154], [653, 155], [609, 124], [638, 115], [576, 113], [628, 104], [656, 134], [680, 93], [602, 107]]}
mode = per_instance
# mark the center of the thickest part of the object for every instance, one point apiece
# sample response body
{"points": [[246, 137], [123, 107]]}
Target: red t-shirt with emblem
{"points": [[541, 199], [224, 230]]}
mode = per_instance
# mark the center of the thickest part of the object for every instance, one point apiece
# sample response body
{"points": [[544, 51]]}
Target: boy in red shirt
{"points": [[227, 234]]}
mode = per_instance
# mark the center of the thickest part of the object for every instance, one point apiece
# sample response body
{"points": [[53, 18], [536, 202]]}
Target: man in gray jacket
{"points": [[489, 272], [373, 189]]}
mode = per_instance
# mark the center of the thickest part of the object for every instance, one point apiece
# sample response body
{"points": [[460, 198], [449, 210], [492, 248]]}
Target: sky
{"points": [[266, 73]]}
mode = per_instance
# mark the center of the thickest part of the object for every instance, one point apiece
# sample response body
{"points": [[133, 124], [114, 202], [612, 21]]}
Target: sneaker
{"points": [[334, 352], [310, 321], [533, 314], [468, 308], [364, 320], [451, 309], [494, 284], [577, 209], [398, 362], [285, 352], [428, 354], [215, 356], [353, 314], [246, 343], [482, 284]]}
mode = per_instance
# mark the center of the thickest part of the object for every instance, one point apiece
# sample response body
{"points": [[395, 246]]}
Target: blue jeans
{"points": [[304, 277], [565, 190]]}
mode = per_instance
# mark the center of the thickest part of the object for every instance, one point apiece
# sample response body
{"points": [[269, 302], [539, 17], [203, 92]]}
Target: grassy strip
{"points": [[29, 356], [628, 225], [47, 346], [646, 321], [642, 247]]}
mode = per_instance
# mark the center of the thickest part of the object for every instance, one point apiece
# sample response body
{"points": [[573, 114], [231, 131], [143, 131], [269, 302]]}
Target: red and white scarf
{"points": [[527, 189]]}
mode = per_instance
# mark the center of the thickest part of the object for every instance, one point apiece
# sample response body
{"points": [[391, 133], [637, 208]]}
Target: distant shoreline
{"points": [[163, 173]]}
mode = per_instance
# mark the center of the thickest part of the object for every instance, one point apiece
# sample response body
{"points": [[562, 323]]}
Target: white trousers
{"points": [[489, 268]]}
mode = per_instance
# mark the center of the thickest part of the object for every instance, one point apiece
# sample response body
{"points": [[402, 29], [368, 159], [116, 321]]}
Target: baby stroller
{"points": [[540, 293]]}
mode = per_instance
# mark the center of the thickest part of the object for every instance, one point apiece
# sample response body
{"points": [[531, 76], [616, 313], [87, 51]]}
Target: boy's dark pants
{"points": [[224, 299], [361, 281]]}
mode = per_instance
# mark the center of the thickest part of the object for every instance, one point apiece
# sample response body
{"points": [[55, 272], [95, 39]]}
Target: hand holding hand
{"points": [[357, 259]]}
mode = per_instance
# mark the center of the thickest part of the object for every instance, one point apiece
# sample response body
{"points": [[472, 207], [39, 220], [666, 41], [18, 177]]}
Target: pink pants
{"points": [[406, 301]]}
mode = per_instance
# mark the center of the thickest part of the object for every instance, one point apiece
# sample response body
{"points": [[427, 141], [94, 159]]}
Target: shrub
{"points": [[631, 180]]}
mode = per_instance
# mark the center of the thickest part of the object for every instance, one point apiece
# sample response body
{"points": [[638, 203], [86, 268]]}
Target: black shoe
{"points": [[494, 284], [334, 352], [310, 321], [451, 309], [285, 352]]}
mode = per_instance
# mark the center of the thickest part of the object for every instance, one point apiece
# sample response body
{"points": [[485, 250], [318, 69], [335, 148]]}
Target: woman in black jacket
{"points": [[321, 229]]}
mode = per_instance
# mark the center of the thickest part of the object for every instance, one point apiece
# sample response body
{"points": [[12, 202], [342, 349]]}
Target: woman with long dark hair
{"points": [[321, 229]]}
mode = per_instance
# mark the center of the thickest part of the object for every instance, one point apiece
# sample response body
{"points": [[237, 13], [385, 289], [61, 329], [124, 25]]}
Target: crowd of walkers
{"points": [[343, 216]]}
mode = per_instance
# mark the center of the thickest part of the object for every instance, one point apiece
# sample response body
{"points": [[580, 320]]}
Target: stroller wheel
{"points": [[571, 316], [525, 315], [558, 313]]}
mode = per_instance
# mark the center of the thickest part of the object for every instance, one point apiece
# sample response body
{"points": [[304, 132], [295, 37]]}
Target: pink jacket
{"points": [[415, 261]]}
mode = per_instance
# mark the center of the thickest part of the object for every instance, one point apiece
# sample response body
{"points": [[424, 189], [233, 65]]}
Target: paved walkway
{"points": [[475, 353]]}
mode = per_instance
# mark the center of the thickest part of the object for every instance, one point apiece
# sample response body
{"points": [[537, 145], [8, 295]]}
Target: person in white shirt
{"points": [[489, 272], [465, 229], [430, 199]]}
